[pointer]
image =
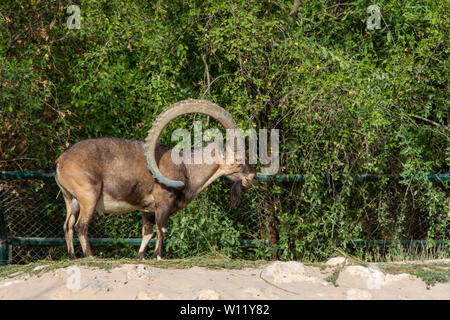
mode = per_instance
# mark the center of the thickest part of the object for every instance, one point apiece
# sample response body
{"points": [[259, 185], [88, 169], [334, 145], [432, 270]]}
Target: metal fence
{"points": [[32, 216]]}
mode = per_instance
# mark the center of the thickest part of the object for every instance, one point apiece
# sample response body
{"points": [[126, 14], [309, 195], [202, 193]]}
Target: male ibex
{"points": [[112, 175]]}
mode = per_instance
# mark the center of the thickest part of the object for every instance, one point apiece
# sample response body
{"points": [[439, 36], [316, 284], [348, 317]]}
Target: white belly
{"points": [[107, 204]]}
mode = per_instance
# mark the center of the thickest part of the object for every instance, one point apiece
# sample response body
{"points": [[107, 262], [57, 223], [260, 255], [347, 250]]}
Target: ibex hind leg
{"points": [[88, 202], [72, 209]]}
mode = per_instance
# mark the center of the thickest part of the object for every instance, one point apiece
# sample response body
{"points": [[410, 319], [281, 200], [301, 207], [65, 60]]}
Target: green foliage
{"points": [[346, 100], [205, 222], [430, 273]]}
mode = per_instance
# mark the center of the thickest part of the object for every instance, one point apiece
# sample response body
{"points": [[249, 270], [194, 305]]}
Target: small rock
{"points": [[370, 278], [287, 272], [336, 261], [284, 272], [208, 295]]}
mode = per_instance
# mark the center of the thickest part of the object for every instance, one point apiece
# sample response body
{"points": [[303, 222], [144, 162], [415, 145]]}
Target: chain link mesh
{"points": [[34, 208]]}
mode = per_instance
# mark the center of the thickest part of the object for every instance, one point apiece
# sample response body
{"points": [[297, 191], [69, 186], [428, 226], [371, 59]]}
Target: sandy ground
{"points": [[278, 280]]}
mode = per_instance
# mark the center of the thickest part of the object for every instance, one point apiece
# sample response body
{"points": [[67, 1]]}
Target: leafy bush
{"points": [[346, 99]]}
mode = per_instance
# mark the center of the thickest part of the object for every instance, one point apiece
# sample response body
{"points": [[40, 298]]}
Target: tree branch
{"points": [[429, 121], [294, 10], [208, 77]]}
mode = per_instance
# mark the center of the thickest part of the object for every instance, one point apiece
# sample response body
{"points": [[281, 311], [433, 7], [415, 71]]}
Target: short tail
{"points": [[66, 192]]}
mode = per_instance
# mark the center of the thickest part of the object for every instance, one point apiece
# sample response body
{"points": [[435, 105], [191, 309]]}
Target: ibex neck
{"points": [[199, 175]]}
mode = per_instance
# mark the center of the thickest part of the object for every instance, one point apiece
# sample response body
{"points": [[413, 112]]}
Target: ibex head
{"points": [[240, 172], [244, 176]]}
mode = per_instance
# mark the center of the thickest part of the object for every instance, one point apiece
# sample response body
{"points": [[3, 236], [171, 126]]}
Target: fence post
{"points": [[3, 234]]}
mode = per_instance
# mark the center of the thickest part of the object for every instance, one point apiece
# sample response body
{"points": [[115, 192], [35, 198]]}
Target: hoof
{"points": [[141, 256], [158, 258]]}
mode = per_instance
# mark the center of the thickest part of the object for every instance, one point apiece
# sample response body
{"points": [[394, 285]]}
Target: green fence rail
{"points": [[356, 177], [4, 175], [9, 243], [103, 241], [18, 212]]}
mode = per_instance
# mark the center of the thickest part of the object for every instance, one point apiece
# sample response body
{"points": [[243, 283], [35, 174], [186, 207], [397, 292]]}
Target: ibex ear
{"points": [[235, 193]]}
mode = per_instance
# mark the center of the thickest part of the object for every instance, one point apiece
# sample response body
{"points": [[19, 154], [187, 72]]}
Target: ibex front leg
{"points": [[148, 220], [162, 217]]}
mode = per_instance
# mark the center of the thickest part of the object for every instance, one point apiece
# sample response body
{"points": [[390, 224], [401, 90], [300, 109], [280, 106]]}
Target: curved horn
{"points": [[175, 110]]}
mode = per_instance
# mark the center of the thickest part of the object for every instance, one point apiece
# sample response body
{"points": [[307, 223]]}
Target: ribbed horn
{"points": [[183, 107]]}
